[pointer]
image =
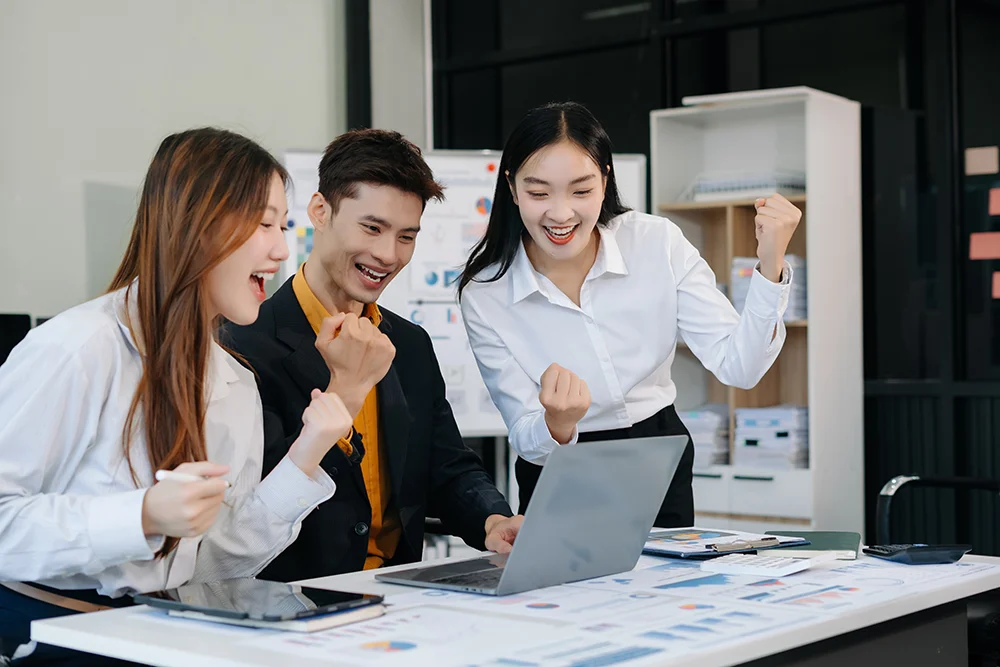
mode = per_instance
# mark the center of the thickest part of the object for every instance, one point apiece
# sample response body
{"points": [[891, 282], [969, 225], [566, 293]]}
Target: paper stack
{"points": [[775, 438], [709, 427], [797, 293], [742, 273], [726, 185], [739, 280]]}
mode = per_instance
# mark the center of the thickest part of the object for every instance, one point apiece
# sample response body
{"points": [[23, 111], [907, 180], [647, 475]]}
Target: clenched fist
{"points": [[357, 354], [775, 223], [566, 400], [324, 422]]}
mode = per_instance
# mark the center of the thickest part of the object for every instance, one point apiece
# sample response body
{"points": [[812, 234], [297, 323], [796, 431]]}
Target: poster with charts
{"points": [[425, 291]]}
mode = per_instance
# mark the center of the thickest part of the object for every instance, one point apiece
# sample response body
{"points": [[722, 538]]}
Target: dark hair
{"points": [[378, 157], [540, 127], [203, 196]]}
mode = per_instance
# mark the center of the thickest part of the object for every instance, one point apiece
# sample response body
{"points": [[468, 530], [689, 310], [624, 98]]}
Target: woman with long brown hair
{"points": [[97, 400]]}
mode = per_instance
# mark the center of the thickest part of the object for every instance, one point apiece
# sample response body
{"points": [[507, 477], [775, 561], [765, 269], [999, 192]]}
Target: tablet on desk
{"points": [[267, 604]]}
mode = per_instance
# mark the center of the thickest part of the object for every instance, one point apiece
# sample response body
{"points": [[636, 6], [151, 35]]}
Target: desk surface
{"points": [[144, 635]]}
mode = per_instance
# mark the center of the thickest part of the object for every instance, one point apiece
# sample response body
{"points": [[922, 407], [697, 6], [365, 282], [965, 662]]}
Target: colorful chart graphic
{"points": [[685, 536], [602, 627], [693, 629], [542, 605], [696, 607], [828, 598], [711, 580], [303, 244], [484, 205], [389, 646], [663, 636]]}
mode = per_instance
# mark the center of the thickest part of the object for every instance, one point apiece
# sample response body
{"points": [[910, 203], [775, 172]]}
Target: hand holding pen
{"points": [[185, 501]]}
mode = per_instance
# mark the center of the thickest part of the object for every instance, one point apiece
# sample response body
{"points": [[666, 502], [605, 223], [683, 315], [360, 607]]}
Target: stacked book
{"points": [[774, 438], [739, 280], [709, 427], [727, 185], [797, 294], [742, 273]]}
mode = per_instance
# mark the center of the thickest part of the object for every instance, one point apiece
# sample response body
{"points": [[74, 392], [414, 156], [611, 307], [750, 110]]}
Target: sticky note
{"points": [[996, 284], [984, 245], [995, 201], [984, 160]]}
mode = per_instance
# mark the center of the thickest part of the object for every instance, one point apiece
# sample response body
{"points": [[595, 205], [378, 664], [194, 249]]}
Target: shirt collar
{"points": [[220, 373], [314, 309], [609, 255], [524, 278]]}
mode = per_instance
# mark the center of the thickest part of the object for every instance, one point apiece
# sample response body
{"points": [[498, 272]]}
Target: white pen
{"points": [[181, 477]]}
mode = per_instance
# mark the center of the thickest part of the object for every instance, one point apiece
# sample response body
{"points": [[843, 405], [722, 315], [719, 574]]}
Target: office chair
{"points": [[13, 329], [436, 538], [984, 610]]}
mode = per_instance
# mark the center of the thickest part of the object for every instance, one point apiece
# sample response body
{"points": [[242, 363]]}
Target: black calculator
{"points": [[919, 554]]}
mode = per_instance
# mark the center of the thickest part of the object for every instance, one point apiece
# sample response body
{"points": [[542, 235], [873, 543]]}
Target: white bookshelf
{"points": [[820, 366]]}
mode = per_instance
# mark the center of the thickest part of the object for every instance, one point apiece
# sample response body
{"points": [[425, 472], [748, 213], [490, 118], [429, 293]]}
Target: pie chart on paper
{"points": [[389, 646]]}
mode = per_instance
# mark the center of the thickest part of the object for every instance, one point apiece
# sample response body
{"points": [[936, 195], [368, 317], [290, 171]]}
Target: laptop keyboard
{"points": [[483, 579]]}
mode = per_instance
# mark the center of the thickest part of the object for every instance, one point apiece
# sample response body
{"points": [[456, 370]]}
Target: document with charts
{"points": [[700, 542]]}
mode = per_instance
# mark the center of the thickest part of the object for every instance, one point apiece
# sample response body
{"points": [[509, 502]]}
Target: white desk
{"points": [[928, 623]]}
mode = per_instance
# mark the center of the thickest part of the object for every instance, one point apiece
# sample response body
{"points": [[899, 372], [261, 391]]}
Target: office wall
{"points": [[90, 89], [397, 68]]}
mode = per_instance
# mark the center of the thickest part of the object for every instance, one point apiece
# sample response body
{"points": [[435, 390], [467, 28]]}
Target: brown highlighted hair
{"points": [[203, 196], [376, 157]]}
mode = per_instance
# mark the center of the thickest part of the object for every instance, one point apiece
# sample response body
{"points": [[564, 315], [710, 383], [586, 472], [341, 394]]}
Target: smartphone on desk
{"points": [[269, 604]]}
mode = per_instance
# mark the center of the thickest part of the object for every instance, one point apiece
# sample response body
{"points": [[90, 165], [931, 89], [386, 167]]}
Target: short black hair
{"points": [[377, 157]]}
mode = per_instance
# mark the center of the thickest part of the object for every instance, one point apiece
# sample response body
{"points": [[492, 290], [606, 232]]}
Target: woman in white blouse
{"points": [[98, 399], [574, 304]]}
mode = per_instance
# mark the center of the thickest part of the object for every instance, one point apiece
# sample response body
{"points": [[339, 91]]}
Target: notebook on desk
{"points": [[845, 544], [706, 542]]}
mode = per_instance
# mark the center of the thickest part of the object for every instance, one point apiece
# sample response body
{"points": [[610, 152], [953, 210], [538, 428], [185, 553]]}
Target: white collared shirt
{"points": [[648, 288], [70, 515]]}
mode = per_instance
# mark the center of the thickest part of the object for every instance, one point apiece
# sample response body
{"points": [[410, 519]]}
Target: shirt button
{"points": [[333, 471], [303, 503], [361, 528]]}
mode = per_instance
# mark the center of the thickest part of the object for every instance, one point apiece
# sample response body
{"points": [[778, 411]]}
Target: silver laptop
{"points": [[589, 516]]}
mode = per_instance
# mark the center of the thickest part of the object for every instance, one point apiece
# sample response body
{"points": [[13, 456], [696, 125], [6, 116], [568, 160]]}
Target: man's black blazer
{"points": [[432, 471]]}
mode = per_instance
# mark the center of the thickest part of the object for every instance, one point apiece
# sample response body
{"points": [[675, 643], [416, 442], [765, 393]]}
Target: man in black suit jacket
{"points": [[405, 459]]}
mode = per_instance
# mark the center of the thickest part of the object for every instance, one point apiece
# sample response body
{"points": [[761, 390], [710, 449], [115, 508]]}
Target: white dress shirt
{"points": [[648, 287], [70, 514]]}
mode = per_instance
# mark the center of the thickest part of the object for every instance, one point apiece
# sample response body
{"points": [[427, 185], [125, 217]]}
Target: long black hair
{"points": [[540, 127]]}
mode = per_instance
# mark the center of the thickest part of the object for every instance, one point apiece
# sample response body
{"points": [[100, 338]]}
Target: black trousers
{"points": [[18, 611], [677, 509]]}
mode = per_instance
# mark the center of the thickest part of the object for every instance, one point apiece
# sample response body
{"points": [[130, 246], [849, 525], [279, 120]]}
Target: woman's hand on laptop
{"points": [[501, 531]]}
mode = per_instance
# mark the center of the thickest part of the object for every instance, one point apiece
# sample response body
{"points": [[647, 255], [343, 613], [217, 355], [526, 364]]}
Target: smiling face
{"points": [[235, 286], [365, 244], [559, 191]]}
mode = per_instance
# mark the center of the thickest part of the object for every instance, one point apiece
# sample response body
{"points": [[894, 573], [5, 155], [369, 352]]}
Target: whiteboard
{"points": [[424, 291]]}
